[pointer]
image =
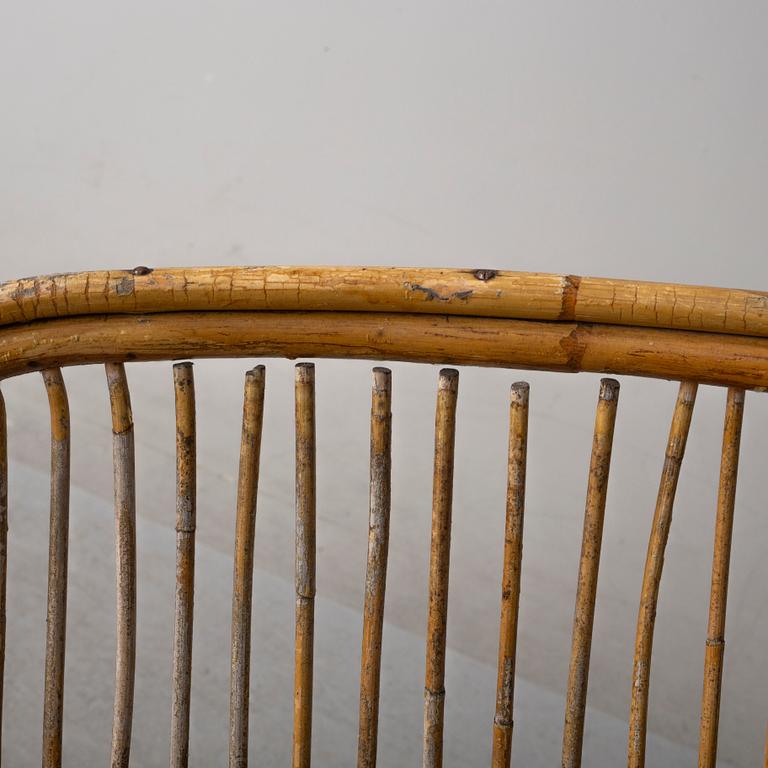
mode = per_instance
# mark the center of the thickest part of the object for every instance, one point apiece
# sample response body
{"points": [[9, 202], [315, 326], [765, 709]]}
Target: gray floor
{"points": [[470, 683]]}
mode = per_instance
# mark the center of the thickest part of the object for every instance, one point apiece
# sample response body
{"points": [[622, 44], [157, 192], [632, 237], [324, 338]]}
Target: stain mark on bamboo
{"points": [[242, 587], [439, 565], [433, 295], [589, 563], [186, 496], [570, 288], [125, 561], [376, 571], [715, 645], [510, 583], [305, 564], [654, 563], [124, 286], [58, 544]]}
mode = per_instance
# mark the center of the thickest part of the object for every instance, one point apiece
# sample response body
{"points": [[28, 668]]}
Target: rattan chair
{"points": [[462, 317]]}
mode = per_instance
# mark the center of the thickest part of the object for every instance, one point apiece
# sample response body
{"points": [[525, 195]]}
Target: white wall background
{"points": [[607, 138]]}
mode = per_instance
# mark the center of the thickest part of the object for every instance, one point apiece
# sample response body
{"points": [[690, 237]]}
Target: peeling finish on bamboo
{"points": [[654, 563], [439, 565], [555, 346], [476, 292], [589, 563], [186, 493], [3, 548], [376, 571], [305, 563], [242, 588], [510, 584], [715, 647], [58, 542], [125, 561]]}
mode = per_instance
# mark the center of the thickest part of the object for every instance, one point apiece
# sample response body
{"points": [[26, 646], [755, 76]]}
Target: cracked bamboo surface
{"points": [[477, 292], [439, 566], [376, 570], [569, 347], [510, 584], [125, 562], [186, 500], [242, 586], [3, 548], [654, 563], [589, 563], [715, 645], [306, 491], [58, 544]]}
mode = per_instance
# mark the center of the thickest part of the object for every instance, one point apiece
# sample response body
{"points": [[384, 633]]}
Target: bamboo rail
{"points": [[708, 358], [654, 563], [242, 587], [589, 563], [376, 570], [3, 548], [473, 292], [510, 584], [58, 543], [715, 646], [305, 563], [186, 502], [439, 564], [125, 562]]}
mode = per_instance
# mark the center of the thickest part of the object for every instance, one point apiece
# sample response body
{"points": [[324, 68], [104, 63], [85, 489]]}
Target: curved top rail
{"points": [[479, 292]]}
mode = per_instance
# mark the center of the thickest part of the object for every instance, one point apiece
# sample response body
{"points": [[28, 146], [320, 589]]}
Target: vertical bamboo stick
{"points": [[584, 614], [715, 647], [765, 751], [3, 548], [186, 493], [439, 563], [56, 621], [125, 561], [510, 583], [242, 587], [376, 571], [654, 563], [305, 563]]}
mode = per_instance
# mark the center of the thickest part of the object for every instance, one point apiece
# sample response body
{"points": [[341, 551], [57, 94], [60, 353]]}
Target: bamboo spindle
{"points": [[186, 492], [376, 571], [654, 563], [584, 614], [305, 563], [715, 647], [56, 620], [242, 588], [510, 583], [439, 562], [125, 560], [3, 548]]}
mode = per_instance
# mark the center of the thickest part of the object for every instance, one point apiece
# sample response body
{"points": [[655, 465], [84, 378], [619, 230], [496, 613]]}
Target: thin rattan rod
{"points": [[186, 495], [654, 563], [376, 571], [58, 541], [589, 563], [3, 548], [439, 564], [125, 561], [242, 580], [305, 564], [510, 583], [715, 646]]}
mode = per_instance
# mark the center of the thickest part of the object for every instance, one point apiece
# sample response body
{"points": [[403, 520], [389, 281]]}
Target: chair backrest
{"points": [[460, 317]]}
